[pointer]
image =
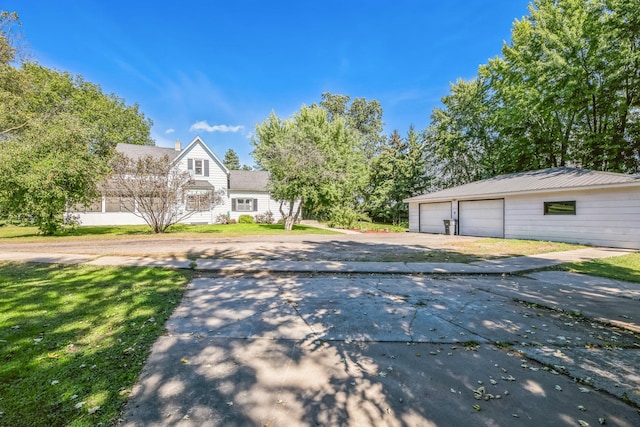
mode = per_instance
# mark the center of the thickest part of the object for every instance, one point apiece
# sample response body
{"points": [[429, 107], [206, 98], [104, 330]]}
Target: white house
{"points": [[245, 192], [557, 204]]}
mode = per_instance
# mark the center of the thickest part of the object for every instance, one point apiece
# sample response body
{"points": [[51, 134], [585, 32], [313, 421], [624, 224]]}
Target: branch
{"points": [[13, 128]]}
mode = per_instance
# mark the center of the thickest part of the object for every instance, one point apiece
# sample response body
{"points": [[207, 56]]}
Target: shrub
{"points": [[265, 218], [246, 219], [232, 221], [343, 218], [222, 219]]}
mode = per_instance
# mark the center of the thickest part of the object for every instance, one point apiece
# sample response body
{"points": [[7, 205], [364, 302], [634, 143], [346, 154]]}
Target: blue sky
{"points": [[216, 68]]}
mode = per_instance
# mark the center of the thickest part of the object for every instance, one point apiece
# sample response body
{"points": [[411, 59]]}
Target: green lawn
{"points": [[73, 339], [626, 267], [178, 230]]}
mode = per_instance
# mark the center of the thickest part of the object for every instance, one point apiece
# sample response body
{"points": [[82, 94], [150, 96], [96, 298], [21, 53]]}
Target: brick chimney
{"points": [[178, 145]]}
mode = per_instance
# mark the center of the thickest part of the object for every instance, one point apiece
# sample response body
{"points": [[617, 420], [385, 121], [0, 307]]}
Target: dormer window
{"points": [[198, 167]]}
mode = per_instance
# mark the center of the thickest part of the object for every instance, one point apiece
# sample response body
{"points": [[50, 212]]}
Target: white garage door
{"points": [[482, 218], [431, 216]]}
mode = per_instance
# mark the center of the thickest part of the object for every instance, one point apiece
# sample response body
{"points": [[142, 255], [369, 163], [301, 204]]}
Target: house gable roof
{"points": [[197, 140], [135, 151], [248, 180], [545, 180]]}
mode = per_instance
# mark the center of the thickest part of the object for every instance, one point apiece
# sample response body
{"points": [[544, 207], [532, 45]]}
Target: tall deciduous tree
{"points": [[361, 115], [461, 141], [399, 171], [566, 91], [58, 131], [311, 159]]}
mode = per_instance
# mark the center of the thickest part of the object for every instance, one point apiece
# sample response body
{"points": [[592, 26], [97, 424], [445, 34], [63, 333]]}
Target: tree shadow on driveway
{"points": [[353, 350]]}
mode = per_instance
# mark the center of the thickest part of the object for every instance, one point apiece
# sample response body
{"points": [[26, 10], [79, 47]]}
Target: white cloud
{"points": [[202, 125], [169, 131]]}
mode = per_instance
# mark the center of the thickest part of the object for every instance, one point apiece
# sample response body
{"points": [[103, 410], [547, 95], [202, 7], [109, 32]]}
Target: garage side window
{"points": [[560, 208]]}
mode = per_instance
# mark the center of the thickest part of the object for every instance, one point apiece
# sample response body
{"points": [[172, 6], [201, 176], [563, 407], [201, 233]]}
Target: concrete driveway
{"points": [[395, 350], [299, 341]]}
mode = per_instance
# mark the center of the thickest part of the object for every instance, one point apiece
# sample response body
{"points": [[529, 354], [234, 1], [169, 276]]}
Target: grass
{"points": [[31, 234], [74, 334], [378, 226], [489, 248], [626, 267]]}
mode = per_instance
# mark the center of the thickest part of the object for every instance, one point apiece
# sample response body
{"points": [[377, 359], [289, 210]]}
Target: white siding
{"points": [[109, 218], [432, 216], [217, 177], [414, 217], [481, 218], [603, 218]]}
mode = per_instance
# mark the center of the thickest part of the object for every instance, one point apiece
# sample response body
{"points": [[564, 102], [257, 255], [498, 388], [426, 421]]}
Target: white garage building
{"points": [[557, 204]]}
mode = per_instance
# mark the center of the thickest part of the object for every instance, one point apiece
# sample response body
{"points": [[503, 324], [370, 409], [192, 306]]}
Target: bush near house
{"points": [[222, 218], [246, 219], [265, 218]]}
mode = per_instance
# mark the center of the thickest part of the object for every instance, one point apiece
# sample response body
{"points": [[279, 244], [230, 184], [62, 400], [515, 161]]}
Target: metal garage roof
{"points": [[544, 180]]}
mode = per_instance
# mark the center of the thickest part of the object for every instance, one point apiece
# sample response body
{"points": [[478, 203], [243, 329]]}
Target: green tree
{"points": [[45, 169], [400, 171], [461, 141], [231, 160], [569, 84], [58, 132], [361, 115], [311, 159], [566, 91]]}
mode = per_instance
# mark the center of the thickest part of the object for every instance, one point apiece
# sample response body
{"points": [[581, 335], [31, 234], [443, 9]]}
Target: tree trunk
{"points": [[289, 220]]}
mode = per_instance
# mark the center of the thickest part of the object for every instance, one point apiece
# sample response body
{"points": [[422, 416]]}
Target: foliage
{"points": [[365, 117], [246, 219], [231, 160], [222, 218], [8, 22], [45, 168], [343, 217], [400, 171], [85, 341], [159, 191], [312, 161], [367, 225], [566, 92], [265, 218], [58, 132], [460, 142]]}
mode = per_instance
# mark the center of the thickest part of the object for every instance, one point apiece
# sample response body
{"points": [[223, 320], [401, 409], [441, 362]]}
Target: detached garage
{"points": [[557, 204]]}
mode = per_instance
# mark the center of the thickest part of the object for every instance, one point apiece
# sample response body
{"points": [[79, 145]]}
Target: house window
{"points": [[119, 204], [198, 202], [560, 208], [198, 167], [244, 205]]}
